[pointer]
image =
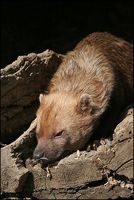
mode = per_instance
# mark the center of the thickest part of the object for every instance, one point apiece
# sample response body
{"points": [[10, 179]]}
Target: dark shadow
{"points": [[33, 26]]}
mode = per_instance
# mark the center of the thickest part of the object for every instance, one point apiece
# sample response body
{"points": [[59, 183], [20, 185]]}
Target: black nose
{"points": [[38, 154]]}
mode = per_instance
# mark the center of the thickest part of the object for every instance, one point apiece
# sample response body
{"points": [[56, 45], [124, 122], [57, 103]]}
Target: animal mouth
{"points": [[52, 160], [44, 159]]}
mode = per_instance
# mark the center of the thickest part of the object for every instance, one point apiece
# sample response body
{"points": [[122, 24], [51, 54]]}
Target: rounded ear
{"points": [[85, 104], [41, 97]]}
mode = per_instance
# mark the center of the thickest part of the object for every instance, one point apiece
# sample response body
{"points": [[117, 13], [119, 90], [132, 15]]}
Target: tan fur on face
{"points": [[53, 109], [60, 112]]}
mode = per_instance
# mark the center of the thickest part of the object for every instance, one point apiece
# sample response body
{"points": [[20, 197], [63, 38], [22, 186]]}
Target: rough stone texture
{"points": [[14, 173], [13, 177], [101, 173], [106, 172], [21, 83]]}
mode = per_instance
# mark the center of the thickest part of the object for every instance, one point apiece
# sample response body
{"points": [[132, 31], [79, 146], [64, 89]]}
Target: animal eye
{"points": [[60, 133]]}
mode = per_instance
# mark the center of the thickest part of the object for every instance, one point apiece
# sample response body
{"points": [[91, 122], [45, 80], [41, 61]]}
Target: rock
{"points": [[21, 83], [13, 172], [101, 172], [13, 177], [104, 172]]}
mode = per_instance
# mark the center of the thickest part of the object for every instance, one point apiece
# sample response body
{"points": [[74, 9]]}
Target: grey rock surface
{"points": [[106, 172], [101, 173], [21, 83]]}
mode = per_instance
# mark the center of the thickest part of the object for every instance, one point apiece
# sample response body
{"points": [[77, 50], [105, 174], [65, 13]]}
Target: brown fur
{"points": [[93, 83]]}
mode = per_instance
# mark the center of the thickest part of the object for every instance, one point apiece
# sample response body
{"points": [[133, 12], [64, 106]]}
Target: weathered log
{"points": [[21, 83], [106, 172]]}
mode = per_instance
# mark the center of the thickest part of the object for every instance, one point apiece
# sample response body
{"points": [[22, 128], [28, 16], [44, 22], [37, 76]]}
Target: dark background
{"points": [[33, 26]]}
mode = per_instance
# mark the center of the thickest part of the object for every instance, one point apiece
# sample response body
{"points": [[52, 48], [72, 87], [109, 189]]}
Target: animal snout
{"points": [[39, 155]]}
